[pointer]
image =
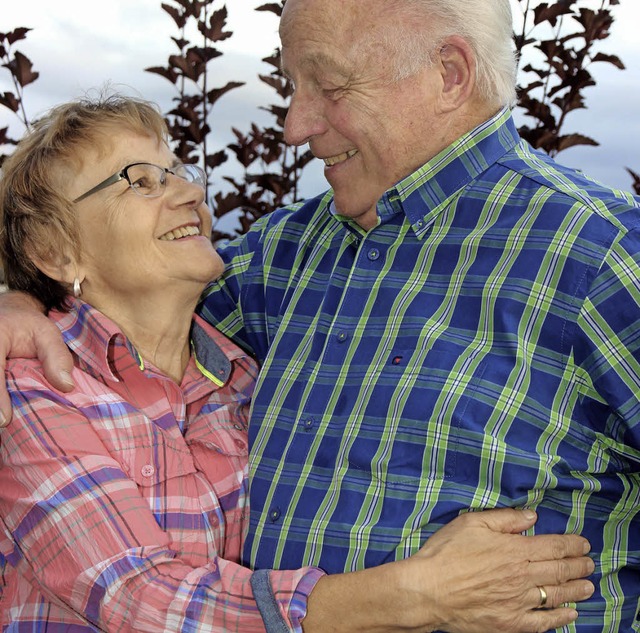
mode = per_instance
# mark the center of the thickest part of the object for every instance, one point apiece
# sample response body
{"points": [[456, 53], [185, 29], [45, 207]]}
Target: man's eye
{"points": [[333, 93]]}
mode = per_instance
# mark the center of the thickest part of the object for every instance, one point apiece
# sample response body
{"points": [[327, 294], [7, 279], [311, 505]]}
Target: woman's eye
{"points": [[141, 183]]}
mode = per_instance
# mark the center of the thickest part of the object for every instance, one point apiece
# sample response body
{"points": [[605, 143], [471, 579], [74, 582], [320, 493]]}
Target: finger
{"points": [[543, 598], [505, 520], [5, 404], [5, 401], [554, 546], [57, 361], [558, 572], [557, 595], [547, 619]]}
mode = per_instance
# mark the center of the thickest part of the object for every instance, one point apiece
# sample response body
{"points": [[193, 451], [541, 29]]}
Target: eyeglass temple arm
{"points": [[105, 183]]}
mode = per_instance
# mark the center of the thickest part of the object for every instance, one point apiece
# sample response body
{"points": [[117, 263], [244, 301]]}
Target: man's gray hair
{"points": [[487, 26]]}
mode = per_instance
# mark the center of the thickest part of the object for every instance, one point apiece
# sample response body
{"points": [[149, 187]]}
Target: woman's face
{"points": [[135, 248]]}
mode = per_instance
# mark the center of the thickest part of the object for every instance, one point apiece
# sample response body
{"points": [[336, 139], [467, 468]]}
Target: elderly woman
{"points": [[120, 500], [124, 501]]}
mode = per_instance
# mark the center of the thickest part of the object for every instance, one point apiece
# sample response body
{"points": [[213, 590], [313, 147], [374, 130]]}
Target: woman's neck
{"points": [[158, 329]]}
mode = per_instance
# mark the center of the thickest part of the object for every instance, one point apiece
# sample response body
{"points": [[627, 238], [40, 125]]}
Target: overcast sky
{"points": [[79, 44]]}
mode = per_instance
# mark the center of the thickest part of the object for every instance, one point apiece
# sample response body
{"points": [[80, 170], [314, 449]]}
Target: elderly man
{"points": [[452, 326]]}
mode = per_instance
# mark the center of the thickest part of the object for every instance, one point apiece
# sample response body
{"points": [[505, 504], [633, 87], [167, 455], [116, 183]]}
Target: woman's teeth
{"points": [[183, 231]]}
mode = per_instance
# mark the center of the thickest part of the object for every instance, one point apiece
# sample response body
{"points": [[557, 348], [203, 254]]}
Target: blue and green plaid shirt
{"points": [[479, 348]]}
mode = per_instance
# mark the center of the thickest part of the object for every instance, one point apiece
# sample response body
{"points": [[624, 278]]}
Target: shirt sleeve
{"points": [[236, 303], [607, 348], [221, 303], [84, 534]]}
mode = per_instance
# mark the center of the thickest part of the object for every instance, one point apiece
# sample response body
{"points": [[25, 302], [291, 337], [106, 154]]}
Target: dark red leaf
{"points": [[178, 17], [550, 13], [216, 93], [167, 73], [272, 7], [215, 29], [571, 140], [17, 34], [611, 59], [9, 100], [20, 67]]}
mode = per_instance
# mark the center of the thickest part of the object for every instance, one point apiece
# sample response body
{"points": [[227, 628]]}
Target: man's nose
{"points": [[304, 119]]}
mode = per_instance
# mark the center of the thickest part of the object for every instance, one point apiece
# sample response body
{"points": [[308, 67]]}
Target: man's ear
{"points": [[458, 70]]}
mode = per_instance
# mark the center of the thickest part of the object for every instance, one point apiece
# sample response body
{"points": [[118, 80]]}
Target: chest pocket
{"points": [[415, 424], [156, 457]]}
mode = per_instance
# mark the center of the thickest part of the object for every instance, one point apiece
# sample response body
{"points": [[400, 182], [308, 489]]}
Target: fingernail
{"points": [[586, 548], [65, 376], [529, 514]]}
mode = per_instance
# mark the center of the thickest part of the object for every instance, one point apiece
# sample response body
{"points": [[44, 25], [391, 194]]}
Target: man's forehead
{"points": [[300, 17], [312, 59]]}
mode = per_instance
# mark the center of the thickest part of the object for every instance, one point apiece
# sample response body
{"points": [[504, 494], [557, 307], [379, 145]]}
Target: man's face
{"points": [[370, 129]]}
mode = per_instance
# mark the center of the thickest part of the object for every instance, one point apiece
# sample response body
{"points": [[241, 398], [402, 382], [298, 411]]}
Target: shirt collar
{"points": [[422, 195], [104, 351]]}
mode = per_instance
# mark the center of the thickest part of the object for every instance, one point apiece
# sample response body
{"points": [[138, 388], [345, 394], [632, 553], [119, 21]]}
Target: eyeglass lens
{"points": [[149, 180]]}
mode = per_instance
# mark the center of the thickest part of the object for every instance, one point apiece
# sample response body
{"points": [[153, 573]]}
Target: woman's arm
{"points": [[86, 537]]}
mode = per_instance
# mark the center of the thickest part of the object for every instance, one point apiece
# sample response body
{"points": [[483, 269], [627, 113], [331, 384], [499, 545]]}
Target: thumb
{"points": [[57, 364], [5, 404]]}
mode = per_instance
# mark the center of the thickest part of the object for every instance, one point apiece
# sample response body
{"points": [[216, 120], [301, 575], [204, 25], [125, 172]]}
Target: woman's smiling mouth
{"points": [[182, 231]]}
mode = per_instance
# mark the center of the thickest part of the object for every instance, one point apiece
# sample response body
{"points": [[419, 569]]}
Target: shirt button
{"points": [[419, 224], [238, 427], [147, 470], [373, 254], [342, 336], [309, 423], [274, 514]]}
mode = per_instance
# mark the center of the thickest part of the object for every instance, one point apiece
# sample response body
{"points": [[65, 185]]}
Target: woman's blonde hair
{"points": [[38, 218]]}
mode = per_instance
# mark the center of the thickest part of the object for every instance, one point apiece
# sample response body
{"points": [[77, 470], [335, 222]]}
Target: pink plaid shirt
{"points": [[124, 502]]}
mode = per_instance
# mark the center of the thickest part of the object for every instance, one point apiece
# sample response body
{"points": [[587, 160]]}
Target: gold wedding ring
{"points": [[543, 597]]}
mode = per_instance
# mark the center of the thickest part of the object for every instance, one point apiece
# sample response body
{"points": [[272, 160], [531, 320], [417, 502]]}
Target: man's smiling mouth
{"points": [[340, 158]]}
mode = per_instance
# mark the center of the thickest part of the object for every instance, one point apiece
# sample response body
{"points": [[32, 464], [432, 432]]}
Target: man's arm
{"points": [[25, 332], [474, 575]]}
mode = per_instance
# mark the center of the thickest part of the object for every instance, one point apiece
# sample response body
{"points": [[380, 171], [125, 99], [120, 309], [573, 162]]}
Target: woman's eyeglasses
{"points": [[150, 180]]}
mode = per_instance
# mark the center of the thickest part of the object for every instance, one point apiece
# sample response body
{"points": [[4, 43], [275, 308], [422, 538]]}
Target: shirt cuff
{"points": [[272, 611]]}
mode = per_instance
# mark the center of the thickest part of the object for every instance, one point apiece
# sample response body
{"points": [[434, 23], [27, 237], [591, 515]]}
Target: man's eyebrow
{"points": [[320, 61]]}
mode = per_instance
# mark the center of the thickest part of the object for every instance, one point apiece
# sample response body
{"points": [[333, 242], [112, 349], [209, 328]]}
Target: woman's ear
{"points": [[57, 266]]}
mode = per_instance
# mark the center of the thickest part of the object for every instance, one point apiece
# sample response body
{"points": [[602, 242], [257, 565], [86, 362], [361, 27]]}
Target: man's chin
{"points": [[361, 213]]}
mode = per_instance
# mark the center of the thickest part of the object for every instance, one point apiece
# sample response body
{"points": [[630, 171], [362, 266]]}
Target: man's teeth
{"points": [[183, 231], [340, 158]]}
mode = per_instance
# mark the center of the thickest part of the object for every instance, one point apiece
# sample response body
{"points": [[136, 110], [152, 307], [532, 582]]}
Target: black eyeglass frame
{"points": [[195, 170]]}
